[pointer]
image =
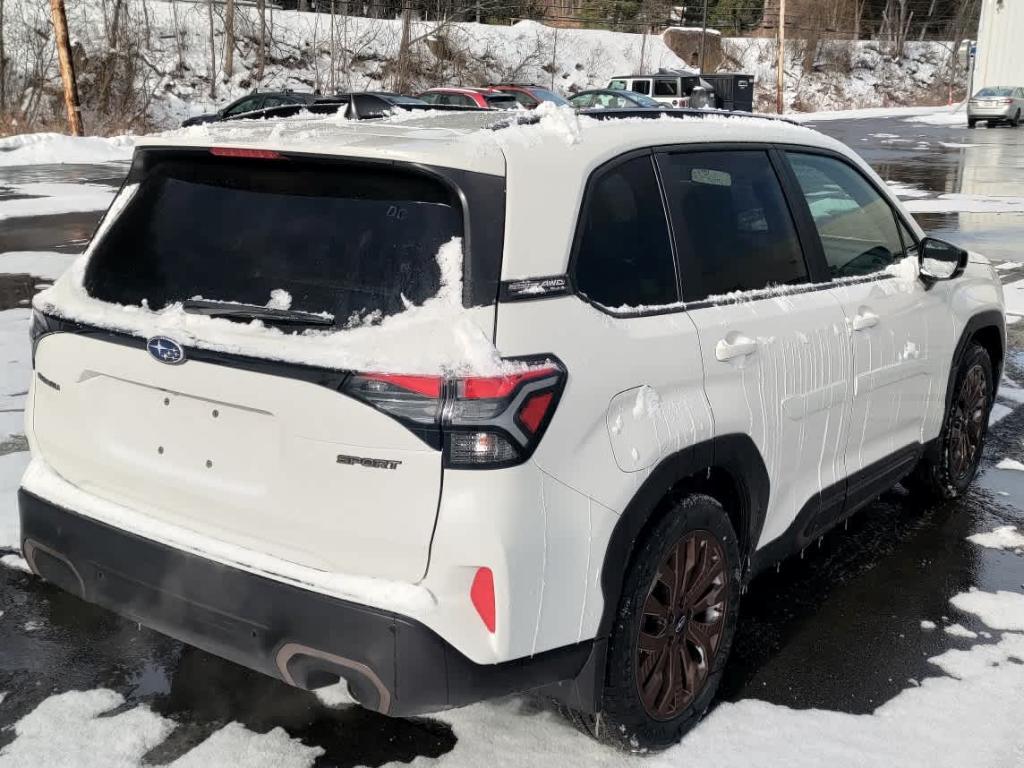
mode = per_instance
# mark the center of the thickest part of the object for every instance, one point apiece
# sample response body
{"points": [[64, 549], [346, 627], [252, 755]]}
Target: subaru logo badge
{"points": [[166, 350]]}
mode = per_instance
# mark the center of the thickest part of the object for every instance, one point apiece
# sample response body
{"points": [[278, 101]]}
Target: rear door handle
{"points": [[732, 347], [865, 319]]}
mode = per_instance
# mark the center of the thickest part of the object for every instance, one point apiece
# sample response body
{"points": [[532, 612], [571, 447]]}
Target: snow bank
{"points": [[999, 610], [55, 148], [1013, 295], [961, 203], [12, 466], [84, 729], [916, 113], [1010, 464], [48, 265], [234, 744], [1004, 537], [47, 199], [68, 730], [14, 372]]}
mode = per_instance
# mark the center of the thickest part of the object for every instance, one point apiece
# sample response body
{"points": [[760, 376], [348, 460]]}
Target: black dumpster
{"points": [[733, 91]]}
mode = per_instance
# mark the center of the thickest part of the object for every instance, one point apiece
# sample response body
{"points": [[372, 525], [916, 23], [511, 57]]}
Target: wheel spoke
{"points": [[681, 624]]}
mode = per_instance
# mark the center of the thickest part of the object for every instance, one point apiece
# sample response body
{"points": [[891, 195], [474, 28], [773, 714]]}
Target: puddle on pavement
{"points": [[65, 232], [17, 290], [990, 166]]}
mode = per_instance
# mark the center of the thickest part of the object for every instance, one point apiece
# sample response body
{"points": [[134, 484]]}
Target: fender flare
{"points": [[735, 454], [991, 318]]}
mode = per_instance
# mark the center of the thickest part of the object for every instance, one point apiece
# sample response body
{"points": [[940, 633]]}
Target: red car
{"points": [[485, 98], [530, 96]]}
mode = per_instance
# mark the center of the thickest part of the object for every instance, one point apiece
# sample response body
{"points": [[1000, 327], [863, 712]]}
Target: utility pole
{"points": [[703, 38], [780, 82], [67, 67]]}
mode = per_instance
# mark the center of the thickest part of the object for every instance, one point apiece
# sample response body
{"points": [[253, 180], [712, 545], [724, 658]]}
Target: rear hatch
{"points": [[266, 451]]}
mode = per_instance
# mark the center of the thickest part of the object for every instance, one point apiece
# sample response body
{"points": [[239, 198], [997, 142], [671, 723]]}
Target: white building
{"points": [[1000, 58]]}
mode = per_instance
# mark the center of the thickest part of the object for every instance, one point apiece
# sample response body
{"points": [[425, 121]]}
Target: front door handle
{"points": [[732, 347], [865, 319]]}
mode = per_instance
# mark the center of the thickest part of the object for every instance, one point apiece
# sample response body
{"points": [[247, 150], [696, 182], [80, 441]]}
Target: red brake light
{"points": [[533, 412], [480, 421], [482, 595], [481, 388], [256, 154]]}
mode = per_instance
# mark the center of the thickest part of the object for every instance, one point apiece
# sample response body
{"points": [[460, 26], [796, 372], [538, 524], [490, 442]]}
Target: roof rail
{"points": [[652, 112]]}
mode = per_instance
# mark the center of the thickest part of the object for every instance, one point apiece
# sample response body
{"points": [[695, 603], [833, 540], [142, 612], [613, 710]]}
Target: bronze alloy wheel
{"points": [[682, 625], [967, 423]]}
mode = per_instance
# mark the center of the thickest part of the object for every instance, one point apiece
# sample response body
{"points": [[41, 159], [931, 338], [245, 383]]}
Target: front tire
{"points": [[673, 629], [954, 465], [972, 123], [1016, 120]]}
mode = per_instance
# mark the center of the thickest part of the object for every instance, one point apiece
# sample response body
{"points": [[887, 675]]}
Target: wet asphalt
{"points": [[838, 628]]}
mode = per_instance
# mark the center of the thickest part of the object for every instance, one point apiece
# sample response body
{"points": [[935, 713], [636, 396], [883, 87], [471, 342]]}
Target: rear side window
{"points": [[524, 98], [666, 88], [343, 239], [732, 226], [856, 224], [624, 258]]}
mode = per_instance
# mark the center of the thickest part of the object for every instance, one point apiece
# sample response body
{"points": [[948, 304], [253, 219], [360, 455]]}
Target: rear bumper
{"points": [[994, 113], [393, 664]]}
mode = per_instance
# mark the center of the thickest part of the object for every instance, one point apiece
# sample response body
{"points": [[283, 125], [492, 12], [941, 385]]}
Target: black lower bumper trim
{"points": [[392, 664]]}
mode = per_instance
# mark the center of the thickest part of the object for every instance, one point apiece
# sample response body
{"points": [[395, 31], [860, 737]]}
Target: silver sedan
{"points": [[996, 105]]}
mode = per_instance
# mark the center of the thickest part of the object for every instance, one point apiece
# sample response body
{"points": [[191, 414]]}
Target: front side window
{"points": [[624, 258], [642, 86], [525, 99], [245, 105], [856, 224], [732, 226]]}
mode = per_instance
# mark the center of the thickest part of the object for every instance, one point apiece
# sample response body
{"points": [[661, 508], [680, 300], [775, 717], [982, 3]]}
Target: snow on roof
{"points": [[479, 141]]}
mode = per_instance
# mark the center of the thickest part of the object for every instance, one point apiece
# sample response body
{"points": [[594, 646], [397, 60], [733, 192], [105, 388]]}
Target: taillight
{"points": [[483, 421]]}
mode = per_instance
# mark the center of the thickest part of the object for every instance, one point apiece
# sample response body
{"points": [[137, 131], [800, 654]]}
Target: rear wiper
{"points": [[255, 312]]}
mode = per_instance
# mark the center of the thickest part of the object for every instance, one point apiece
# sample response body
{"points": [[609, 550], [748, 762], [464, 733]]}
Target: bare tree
{"points": [[3, 64], [213, 51], [261, 56], [229, 38]]}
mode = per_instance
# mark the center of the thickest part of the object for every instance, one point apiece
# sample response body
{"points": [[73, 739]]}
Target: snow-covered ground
{"points": [[39, 148], [176, 79], [966, 713]]}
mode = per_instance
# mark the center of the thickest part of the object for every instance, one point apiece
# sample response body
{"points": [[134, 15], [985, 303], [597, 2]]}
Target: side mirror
{"points": [[940, 260]]}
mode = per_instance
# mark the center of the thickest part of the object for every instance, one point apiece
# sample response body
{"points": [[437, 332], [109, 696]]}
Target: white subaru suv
{"points": [[454, 406]]}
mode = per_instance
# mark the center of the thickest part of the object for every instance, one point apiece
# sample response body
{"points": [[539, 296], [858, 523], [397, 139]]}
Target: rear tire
{"points": [[673, 629], [972, 123], [953, 467]]}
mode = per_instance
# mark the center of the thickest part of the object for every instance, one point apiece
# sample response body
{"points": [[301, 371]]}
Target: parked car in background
{"points": [[530, 96], [673, 89], [606, 99], [458, 96], [996, 104], [253, 105]]}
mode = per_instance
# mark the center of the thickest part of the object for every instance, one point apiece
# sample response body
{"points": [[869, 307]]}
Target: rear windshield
{"points": [[545, 95], [501, 101], [342, 239], [994, 92]]}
